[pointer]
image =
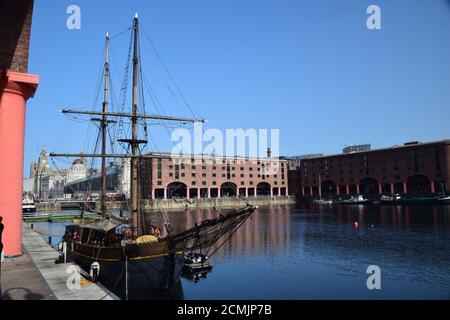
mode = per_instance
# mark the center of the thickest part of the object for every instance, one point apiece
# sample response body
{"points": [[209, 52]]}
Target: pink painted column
{"points": [[199, 193], [209, 193], [219, 195], [188, 193], [15, 89], [338, 191], [246, 192], [433, 190], [392, 188], [405, 187], [302, 190], [165, 194], [357, 189], [271, 192], [255, 192], [287, 191], [153, 194], [347, 189], [380, 188]]}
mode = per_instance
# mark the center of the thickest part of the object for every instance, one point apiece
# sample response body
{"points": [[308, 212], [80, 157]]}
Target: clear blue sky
{"points": [[310, 68]]}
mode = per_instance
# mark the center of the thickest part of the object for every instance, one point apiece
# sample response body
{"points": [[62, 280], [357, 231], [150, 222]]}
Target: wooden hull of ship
{"points": [[148, 267]]}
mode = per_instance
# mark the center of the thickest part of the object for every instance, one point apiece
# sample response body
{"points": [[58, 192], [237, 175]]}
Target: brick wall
{"points": [[15, 27]]}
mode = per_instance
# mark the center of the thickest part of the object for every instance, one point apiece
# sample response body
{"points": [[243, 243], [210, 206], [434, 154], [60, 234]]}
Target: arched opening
{"points": [[368, 186], [386, 188], [263, 189], [228, 189], [176, 190], [418, 184], [398, 188], [214, 192], [159, 193], [193, 193], [329, 188], [203, 193], [276, 192]]}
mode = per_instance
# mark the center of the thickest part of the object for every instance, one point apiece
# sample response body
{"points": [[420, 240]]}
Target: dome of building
{"points": [[78, 161]]}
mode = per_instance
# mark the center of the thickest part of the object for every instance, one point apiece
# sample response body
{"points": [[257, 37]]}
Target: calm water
{"points": [[309, 252]]}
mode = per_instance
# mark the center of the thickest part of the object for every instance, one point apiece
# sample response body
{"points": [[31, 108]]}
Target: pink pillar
{"points": [[302, 190], [255, 192], [287, 191], [15, 89], [405, 187], [392, 188], [433, 190], [357, 189], [338, 192], [165, 194], [188, 193], [209, 193], [219, 193], [246, 192], [199, 193], [347, 189], [271, 191], [380, 188], [153, 194]]}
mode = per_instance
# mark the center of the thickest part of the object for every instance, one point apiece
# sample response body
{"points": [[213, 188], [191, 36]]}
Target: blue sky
{"points": [[310, 68]]}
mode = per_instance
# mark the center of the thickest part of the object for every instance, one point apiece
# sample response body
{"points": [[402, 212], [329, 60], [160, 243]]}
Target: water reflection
{"points": [[310, 252]]}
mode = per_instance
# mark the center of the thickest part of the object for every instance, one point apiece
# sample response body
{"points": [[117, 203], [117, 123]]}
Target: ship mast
{"points": [[134, 139], [104, 126]]}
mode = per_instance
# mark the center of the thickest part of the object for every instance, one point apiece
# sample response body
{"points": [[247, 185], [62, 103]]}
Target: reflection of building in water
{"points": [[266, 231], [49, 183]]}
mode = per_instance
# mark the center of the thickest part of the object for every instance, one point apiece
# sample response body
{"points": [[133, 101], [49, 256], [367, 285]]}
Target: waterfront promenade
{"points": [[36, 276]]}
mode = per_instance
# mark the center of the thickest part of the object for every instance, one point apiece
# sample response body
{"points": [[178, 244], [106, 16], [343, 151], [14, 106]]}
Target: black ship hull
{"points": [[147, 273]]}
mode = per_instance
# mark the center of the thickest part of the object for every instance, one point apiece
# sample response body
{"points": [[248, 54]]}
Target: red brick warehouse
{"points": [[413, 168]]}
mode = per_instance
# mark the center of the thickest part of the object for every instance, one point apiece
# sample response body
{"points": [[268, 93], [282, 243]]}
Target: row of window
{"points": [[214, 183], [229, 176]]}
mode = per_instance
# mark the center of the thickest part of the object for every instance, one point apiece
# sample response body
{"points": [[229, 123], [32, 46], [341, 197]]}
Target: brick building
{"points": [[15, 28], [413, 168], [162, 177]]}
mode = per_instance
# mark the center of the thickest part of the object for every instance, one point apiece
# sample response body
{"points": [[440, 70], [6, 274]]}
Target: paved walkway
{"points": [[21, 280], [35, 275]]}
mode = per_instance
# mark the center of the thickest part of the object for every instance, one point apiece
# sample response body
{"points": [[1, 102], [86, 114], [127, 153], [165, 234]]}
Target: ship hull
{"points": [[152, 271], [146, 274]]}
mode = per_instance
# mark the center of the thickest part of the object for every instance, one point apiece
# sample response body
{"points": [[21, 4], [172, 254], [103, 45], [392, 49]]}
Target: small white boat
{"points": [[357, 200], [323, 202], [28, 205]]}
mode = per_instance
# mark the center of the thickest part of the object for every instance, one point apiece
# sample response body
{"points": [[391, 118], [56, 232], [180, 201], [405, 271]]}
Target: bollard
{"points": [[50, 240], [32, 226]]}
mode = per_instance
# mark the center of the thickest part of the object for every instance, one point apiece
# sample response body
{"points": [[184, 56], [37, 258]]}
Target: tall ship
{"points": [[125, 251]]}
